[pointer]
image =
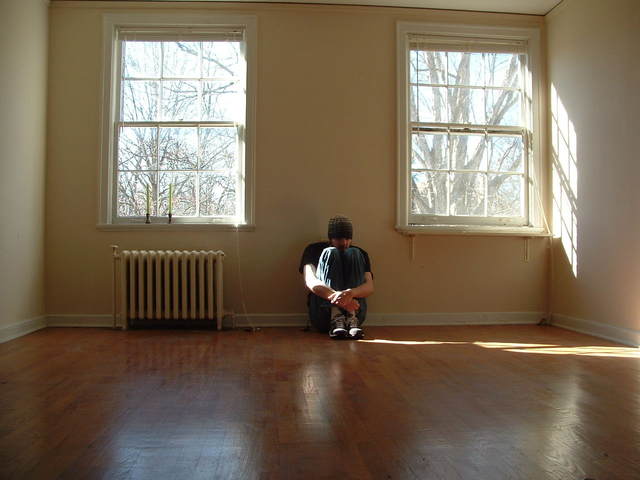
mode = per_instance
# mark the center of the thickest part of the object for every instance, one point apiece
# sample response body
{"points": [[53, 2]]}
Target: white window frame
{"points": [[534, 224], [112, 23]]}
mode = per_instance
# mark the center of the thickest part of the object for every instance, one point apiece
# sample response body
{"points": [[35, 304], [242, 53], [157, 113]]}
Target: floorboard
{"points": [[464, 402]]}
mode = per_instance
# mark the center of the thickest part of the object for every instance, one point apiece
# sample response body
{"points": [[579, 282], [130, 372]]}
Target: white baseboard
{"points": [[602, 330], [393, 319], [300, 319], [79, 320], [18, 329], [455, 318]]}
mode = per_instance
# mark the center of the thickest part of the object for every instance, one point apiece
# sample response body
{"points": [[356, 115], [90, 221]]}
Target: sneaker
{"points": [[338, 329], [355, 331]]}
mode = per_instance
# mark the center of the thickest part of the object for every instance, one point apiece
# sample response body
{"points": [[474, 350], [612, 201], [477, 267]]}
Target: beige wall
{"points": [[23, 77], [594, 68], [326, 144]]}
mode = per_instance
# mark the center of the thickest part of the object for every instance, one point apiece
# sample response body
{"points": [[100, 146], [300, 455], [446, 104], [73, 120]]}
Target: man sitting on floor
{"points": [[339, 278]]}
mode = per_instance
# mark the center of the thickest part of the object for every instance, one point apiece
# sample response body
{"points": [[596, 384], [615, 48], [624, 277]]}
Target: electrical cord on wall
{"points": [[251, 327]]}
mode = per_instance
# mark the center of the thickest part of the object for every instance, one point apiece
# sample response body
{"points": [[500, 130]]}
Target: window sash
{"points": [[414, 87], [156, 200], [170, 35], [141, 26], [527, 41], [173, 34], [448, 219], [470, 45]]}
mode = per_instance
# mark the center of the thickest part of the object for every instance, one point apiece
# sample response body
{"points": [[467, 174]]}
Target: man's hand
{"points": [[341, 296], [353, 306], [344, 299]]}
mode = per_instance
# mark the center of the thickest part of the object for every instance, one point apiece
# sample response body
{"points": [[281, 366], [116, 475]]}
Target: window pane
{"points": [[505, 153], [468, 152], [466, 69], [140, 100], [221, 59], [468, 194], [217, 194], [181, 59], [505, 195], [142, 59], [427, 67], [414, 66], [132, 193], [472, 93], [503, 107], [180, 101], [221, 101], [413, 103], [466, 105], [218, 148], [184, 193], [502, 70], [178, 148], [429, 104], [137, 148], [429, 193], [430, 151]]}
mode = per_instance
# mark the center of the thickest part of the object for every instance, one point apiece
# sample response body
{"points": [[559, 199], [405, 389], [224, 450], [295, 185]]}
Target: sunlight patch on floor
{"points": [[540, 348], [512, 345], [411, 342], [595, 351]]}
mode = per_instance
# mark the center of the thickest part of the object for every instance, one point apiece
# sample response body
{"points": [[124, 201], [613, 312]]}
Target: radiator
{"points": [[177, 286]]}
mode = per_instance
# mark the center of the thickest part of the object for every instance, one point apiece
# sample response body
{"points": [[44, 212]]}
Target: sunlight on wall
{"points": [[565, 180]]}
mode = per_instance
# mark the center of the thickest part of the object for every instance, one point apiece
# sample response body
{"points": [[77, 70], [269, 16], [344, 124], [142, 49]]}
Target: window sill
{"points": [[471, 230], [174, 227]]}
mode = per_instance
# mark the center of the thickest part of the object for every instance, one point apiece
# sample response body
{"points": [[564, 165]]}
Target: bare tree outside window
{"points": [[181, 106], [467, 137]]}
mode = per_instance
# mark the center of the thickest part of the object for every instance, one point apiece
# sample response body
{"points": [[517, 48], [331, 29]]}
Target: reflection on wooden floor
{"points": [[481, 403]]}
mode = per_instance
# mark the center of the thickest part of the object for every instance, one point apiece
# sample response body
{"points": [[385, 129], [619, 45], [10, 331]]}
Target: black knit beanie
{"points": [[340, 227]]}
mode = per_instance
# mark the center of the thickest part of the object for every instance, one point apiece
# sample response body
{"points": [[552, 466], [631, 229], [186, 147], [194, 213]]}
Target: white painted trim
{"points": [[534, 125], [402, 126], [454, 318], [300, 319], [24, 327], [532, 7], [110, 94], [558, 9], [622, 335], [89, 320], [473, 230], [394, 319], [610, 332], [174, 227]]}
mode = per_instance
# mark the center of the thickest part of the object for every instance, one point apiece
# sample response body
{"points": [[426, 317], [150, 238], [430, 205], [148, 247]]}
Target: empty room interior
{"points": [[165, 164]]}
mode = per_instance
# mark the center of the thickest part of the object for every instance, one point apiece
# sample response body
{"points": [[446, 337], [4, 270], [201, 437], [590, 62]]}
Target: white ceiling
{"points": [[533, 7]]}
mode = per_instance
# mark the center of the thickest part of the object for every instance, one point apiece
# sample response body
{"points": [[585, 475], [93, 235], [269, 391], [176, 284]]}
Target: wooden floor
{"points": [[481, 403]]}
